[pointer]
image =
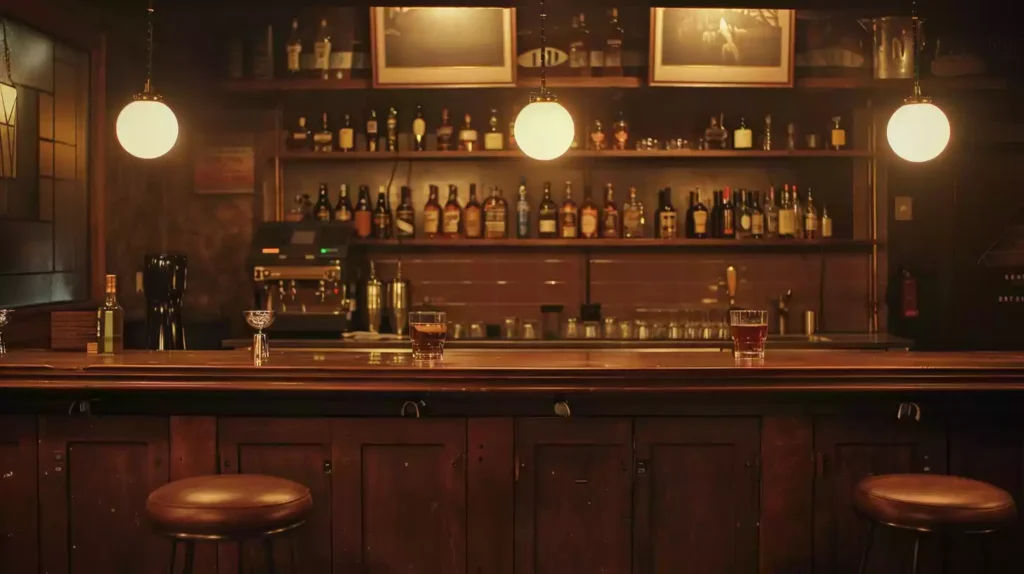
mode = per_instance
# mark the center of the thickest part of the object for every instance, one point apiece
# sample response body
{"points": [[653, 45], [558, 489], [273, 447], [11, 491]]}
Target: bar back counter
{"points": [[505, 462]]}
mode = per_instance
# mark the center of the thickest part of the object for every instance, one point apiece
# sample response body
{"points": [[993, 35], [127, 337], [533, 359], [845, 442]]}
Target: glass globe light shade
{"points": [[544, 130], [918, 131], [147, 128]]}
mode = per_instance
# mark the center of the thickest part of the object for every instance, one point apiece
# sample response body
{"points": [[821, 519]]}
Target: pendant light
{"points": [[918, 131], [544, 129], [146, 127]]}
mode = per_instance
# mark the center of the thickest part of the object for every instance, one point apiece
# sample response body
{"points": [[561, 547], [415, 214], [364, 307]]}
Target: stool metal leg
{"points": [[867, 549], [268, 546], [917, 548], [190, 551], [174, 553]]}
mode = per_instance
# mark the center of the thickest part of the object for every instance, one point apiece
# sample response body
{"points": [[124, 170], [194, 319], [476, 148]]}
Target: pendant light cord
{"points": [[543, 51], [149, 63]]}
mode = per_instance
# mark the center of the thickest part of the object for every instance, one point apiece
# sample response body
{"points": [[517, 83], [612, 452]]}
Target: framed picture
{"points": [[443, 47], [721, 47]]}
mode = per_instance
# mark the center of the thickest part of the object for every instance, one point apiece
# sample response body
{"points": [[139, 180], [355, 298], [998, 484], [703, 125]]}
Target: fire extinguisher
{"points": [[908, 289]]}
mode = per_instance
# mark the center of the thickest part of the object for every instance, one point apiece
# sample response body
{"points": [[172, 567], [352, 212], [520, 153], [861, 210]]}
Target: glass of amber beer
{"points": [[749, 329], [428, 331]]}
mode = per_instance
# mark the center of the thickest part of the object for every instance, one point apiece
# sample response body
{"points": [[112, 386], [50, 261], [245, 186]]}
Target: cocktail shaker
{"points": [[374, 301], [397, 292]]}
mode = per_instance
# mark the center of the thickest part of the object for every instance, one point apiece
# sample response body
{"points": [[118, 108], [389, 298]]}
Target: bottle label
{"points": [[472, 223], [700, 222], [745, 222], [826, 227], [451, 222], [431, 221], [494, 140], [757, 224], [611, 224], [346, 138], [547, 226], [743, 139], [786, 224], [668, 224], [569, 229], [322, 55], [419, 127], [404, 225], [371, 127], [588, 223], [363, 223], [293, 57]]}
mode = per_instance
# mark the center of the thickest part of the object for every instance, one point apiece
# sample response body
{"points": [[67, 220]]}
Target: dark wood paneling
{"points": [[19, 542], [787, 493], [490, 496]]}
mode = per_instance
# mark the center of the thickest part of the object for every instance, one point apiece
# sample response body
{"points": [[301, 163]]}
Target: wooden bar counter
{"points": [[503, 462]]}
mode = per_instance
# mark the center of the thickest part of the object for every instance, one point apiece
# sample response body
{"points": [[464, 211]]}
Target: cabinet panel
{"points": [[696, 495], [573, 496], [849, 449], [296, 449], [19, 540], [400, 495], [94, 476]]}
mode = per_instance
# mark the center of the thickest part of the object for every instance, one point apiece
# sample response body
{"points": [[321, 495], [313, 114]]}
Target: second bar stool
{"points": [[931, 503], [227, 507]]}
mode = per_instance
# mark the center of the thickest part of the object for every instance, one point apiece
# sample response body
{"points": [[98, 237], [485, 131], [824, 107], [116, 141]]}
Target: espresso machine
{"points": [[299, 272], [163, 282]]}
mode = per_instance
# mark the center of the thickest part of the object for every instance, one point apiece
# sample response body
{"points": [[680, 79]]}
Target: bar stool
{"points": [[235, 507], [929, 503]]}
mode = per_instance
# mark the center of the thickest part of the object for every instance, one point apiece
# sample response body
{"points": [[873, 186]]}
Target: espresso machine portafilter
{"points": [[397, 293], [374, 301]]}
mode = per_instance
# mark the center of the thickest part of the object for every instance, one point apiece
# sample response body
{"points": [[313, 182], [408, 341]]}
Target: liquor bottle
{"points": [[757, 217], [493, 139], [569, 216], [472, 216], [495, 216], [110, 321], [467, 135], [743, 137], [798, 213], [621, 131], [322, 210], [300, 138], [613, 45], [294, 50], [346, 135], [522, 212], [382, 216], [771, 215], [589, 216], [597, 136], [810, 218], [826, 223], [405, 216], [372, 136], [547, 215], [579, 47], [787, 227], [432, 214], [744, 215], [322, 50], [363, 214], [700, 218], [714, 227], [323, 140], [838, 139], [419, 130], [343, 209], [451, 217], [727, 227], [633, 216], [444, 132], [610, 218], [391, 142], [666, 217]]}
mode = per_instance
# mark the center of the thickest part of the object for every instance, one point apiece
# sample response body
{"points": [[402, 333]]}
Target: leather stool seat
{"points": [[228, 505], [934, 502]]}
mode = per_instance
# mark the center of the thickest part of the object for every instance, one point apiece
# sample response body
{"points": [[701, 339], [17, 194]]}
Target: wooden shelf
{"points": [[645, 243], [572, 154]]}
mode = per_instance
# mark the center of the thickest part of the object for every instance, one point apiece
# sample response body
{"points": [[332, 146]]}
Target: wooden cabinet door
{"points": [[400, 496], [574, 484], [296, 449], [95, 474], [696, 492], [19, 510], [849, 449]]}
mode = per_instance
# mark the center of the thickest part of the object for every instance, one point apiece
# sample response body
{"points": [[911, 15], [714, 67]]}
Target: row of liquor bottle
{"points": [[732, 214]]}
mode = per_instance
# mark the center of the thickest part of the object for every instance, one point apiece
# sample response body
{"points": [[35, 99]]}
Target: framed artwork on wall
{"points": [[722, 47], [439, 47]]}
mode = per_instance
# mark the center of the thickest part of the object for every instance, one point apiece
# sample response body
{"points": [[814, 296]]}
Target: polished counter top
{"points": [[514, 370]]}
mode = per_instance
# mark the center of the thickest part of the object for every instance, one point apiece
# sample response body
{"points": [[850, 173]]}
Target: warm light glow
{"points": [[918, 131], [544, 130], [147, 129]]}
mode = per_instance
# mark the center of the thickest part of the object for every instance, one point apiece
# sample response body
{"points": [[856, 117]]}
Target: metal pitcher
{"points": [[894, 46]]}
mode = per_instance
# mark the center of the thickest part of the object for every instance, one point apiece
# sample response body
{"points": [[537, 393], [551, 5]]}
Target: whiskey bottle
{"points": [[597, 136], [826, 223], [810, 218], [727, 226], [472, 222], [743, 137], [362, 214], [382, 216], [590, 226], [451, 218], [405, 216], [300, 138], [495, 216], [771, 215], [744, 215], [346, 135], [343, 209], [419, 130], [372, 134], [699, 225], [493, 139], [787, 227], [392, 130], [444, 132], [610, 218], [293, 50], [613, 45], [579, 47], [322, 50], [621, 131], [323, 140], [756, 217], [633, 216], [110, 321], [322, 210], [467, 135], [432, 214], [547, 215], [666, 216], [522, 212]]}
